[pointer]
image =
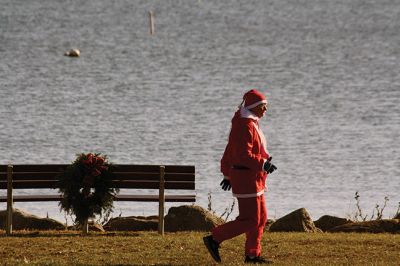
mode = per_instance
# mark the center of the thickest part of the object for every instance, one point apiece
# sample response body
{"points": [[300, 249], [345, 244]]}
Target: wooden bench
{"points": [[44, 176]]}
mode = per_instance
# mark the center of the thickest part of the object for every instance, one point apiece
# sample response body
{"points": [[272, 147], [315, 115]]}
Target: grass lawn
{"points": [[186, 248]]}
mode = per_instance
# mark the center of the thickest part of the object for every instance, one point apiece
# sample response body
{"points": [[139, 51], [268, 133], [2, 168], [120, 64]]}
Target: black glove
{"points": [[269, 167], [225, 184]]}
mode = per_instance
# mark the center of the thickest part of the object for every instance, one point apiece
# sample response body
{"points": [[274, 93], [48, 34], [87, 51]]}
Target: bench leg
{"points": [[9, 200], [85, 227], [161, 201]]}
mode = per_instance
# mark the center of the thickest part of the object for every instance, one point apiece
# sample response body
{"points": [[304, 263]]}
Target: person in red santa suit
{"points": [[245, 166]]}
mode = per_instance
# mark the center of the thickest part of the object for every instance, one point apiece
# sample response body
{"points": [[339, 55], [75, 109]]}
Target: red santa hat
{"points": [[253, 98]]}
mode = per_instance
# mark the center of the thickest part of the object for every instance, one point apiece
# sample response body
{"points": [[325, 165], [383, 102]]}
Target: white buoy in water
{"points": [[73, 53]]}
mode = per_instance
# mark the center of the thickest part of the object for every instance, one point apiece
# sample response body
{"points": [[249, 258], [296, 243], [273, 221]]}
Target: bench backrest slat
{"points": [[155, 168], [126, 176], [118, 176], [119, 168], [35, 168], [140, 184]]}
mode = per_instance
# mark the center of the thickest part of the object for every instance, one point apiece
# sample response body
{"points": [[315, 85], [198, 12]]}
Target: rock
{"points": [[24, 221], [268, 224], [327, 222], [73, 53], [376, 226], [94, 227], [132, 223], [297, 221], [190, 218]]}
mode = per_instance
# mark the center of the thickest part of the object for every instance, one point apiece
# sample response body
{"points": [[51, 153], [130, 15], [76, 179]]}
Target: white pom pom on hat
{"points": [[253, 98]]}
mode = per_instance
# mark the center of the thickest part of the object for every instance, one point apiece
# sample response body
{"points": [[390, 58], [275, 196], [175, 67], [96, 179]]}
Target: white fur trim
{"points": [[246, 196], [262, 138], [263, 165], [245, 113], [256, 104]]}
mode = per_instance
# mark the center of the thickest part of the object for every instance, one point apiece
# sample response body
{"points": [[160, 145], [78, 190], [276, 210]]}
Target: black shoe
{"points": [[212, 247], [257, 260]]}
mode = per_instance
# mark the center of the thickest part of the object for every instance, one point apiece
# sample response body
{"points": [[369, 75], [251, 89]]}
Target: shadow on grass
{"points": [[68, 234], [136, 264]]}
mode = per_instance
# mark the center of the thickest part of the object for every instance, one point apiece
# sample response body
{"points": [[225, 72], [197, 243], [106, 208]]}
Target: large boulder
{"points": [[190, 218], [376, 226], [25, 221], [132, 223], [296, 221], [327, 222]]}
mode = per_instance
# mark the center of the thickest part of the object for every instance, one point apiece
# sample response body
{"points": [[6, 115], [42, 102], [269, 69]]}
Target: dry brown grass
{"points": [[186, 248]]}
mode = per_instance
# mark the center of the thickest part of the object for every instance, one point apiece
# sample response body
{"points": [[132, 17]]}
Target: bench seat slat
{"points": [[117, 176], [139, 184], [150, 198], [118, 168], [155, 176], [156, 185], [168, 198]]}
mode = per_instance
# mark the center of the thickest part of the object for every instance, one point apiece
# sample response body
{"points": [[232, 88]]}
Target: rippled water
{"points": [[329, 69]]}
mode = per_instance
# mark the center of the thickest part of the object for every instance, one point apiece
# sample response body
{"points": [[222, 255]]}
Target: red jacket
{"points": [[245, 155]]}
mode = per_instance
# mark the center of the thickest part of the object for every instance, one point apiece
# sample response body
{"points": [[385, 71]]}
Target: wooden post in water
{"points": [[151, 22], [161, 201], [9, 199]]}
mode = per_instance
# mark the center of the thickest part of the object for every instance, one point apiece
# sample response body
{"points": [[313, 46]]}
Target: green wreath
{"points": [[86, 187]]}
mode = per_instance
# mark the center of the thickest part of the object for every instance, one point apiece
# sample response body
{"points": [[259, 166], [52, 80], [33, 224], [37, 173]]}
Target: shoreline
{"points": [[194, 217]]}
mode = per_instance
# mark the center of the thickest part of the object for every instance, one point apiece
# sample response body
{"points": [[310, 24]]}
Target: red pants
{"points": [[251, 220]]}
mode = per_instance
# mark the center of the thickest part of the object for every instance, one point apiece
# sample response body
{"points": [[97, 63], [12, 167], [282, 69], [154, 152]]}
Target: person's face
{"points": [[260, 110]]}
